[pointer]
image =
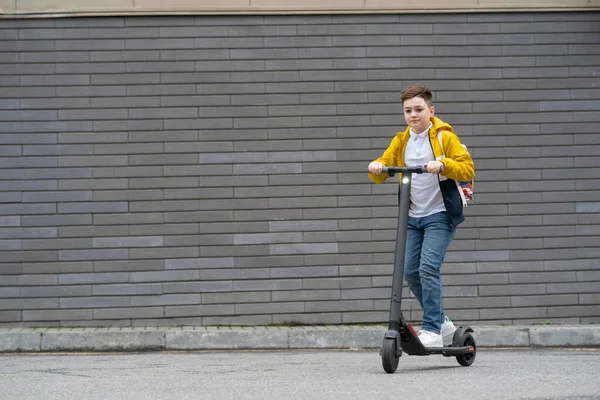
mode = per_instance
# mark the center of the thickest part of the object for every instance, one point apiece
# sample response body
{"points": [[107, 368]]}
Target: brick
{"points": [[546, 254], [47, 173], [165, 300], [303, 248], [12, 244], [56, 220], [90, 91], [264, 30], [163, 205], [15, 316], [55, 244], [127, 289], [133, 312], [249, 250], [198, 287], [332, 306], [163, 182], [128, 265], [40, 138], [237, 297], [30, 280], [57, 315], [43, 303], [163, 252], [211, 123], [366, 293], [552, 300], [262, 238], [316, 296], [281, 307], [199, 263], [123, 32], [269, 261], [86, 278], [74, 255], [57, 267], [521, 312], [511, 290], [125, 79], [92, 207], [28, 209], [547, 208], [222, 274], [209, 193], [94, 302], [304, 272], [308, 319], [92, 184], [199, 310], [117, 242], [203, 216], [160, 21], [272, 284], [242, 320], [588, 276], [163, 89], [128, 195]]}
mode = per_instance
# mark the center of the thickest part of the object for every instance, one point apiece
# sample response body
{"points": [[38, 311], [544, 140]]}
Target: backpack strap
{"points": [[458, 187]]}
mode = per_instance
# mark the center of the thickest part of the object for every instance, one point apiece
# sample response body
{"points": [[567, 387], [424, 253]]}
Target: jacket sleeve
{"points": [[458, 164], [389, 158]]}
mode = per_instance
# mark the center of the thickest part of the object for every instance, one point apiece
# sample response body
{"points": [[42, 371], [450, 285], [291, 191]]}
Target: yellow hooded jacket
{"points": [[458, 164]]}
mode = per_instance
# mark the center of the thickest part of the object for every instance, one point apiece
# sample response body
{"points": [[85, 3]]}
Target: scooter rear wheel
{"points": [[389, 359], [467, 359]]}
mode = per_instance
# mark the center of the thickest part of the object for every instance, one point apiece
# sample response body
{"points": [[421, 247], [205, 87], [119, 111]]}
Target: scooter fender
{"points": [[395, 336], [458, 335]]}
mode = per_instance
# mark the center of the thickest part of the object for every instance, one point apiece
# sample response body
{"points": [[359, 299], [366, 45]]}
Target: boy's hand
{"points": [[375, 168], [434, 167]]}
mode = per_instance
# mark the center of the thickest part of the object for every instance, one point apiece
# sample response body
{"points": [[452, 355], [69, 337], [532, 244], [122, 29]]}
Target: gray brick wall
{"points": [[211, 169]]}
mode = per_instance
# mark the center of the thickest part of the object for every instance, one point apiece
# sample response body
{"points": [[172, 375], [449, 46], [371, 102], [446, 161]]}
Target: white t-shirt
{"points": [[425, 194]]}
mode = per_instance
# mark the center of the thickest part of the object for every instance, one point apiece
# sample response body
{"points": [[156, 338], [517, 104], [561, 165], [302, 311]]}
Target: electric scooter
{"points": [[400, 335]]}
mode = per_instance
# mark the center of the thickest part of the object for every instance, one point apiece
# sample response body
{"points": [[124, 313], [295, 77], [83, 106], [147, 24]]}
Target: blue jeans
{"points": [[427, 240]]}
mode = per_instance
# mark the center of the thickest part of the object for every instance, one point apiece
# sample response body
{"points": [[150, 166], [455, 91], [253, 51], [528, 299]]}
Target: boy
{"points": [[435, 204]]}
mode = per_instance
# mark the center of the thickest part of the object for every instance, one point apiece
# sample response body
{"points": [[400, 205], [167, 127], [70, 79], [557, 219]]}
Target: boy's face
{"points": [[417, 113]]}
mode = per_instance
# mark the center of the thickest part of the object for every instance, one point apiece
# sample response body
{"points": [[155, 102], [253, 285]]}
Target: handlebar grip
{"points": [[419, 169]]}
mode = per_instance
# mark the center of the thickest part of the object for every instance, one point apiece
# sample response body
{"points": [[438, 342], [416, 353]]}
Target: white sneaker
{"points": [[430, 339], [447, 332]]}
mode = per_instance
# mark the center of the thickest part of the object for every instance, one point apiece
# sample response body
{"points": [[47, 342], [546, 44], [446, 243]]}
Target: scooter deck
{"points": [[411, 345], [447, 351]]}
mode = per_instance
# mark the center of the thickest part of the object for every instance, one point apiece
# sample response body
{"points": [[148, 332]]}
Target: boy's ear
{"points": [[432, 110]]}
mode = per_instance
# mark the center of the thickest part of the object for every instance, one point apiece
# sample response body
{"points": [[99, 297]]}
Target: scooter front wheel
{"points": [[389, 359], [467, 359]]}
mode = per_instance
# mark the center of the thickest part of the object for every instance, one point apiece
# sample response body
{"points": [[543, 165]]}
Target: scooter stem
{"points": [[398, 277]]}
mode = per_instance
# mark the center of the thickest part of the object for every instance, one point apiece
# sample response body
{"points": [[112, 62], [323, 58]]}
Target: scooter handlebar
{"points": [[419, 169]]}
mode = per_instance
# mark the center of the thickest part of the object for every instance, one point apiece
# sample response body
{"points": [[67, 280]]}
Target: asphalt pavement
{"points": [[299, 374]]}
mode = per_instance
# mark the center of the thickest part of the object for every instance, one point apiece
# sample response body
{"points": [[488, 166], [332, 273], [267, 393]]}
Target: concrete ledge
{"points": [[341, 339], [272, 338], [23, 340], [572, 336], [501, 336], [226, 339], [101, 340]]}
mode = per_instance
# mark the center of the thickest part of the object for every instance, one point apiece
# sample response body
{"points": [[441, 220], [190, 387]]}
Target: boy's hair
{"points": [[416, 90]]}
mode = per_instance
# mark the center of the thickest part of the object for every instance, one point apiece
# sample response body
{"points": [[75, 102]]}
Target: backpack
{"points": [[465, 188]]}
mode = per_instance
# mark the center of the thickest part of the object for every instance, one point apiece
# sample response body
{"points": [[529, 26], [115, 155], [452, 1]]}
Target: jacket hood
{"points": [[439, 124]]}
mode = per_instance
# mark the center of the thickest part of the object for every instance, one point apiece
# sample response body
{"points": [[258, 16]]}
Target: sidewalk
{"points": [[270, 337]]}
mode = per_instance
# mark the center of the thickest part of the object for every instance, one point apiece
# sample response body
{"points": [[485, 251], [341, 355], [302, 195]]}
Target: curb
{"points": [[270, 338]]}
